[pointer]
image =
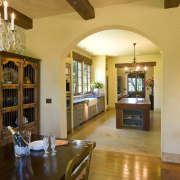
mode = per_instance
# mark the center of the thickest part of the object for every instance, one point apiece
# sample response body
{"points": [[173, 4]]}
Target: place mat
{"points": [[61, 142]]}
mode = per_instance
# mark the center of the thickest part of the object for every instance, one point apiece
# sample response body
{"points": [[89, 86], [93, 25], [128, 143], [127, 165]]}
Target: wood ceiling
{"points": [[171, 3]]}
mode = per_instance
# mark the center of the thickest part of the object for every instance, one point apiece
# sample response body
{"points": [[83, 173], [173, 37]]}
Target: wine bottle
{"points": [[18, 138]]}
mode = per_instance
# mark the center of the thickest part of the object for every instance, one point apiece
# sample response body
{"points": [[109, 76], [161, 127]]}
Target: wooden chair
{"points": [[78, 167]]}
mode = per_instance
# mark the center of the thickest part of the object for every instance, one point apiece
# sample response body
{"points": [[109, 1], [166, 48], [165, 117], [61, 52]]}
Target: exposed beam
{"points": [[83, 7], [171, 3], [123, 65], [21, 20]]}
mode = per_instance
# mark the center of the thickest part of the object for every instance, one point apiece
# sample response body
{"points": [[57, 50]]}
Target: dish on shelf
{"points": [[36, 145], [10, 76]]}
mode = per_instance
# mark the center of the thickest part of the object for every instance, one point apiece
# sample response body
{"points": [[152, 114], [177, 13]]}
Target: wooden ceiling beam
{"points": [[83, 8], [141, 64], [20, 20], [171, 3]]}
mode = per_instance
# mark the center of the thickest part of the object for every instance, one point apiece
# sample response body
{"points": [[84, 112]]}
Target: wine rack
{"points": [[19, 97]]}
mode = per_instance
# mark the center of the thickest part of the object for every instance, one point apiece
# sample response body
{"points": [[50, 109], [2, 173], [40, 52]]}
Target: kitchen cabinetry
{"points": [[82, 111], [92, 111], [68, 120], [19, 94], [78, 113], [133, 118], [100, 104]]}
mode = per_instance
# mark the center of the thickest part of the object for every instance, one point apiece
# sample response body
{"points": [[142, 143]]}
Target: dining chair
{"points": [[78, 167]]}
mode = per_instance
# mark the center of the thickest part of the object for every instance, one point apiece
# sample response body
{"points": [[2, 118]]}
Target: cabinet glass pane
{"points": [[28, 115], [10, 97], [10, 73], [28, 96], [10, 119], [29, 75]]}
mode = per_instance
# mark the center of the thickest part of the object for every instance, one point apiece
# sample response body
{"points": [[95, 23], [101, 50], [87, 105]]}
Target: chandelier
{"points": [[7, 31], [134, 67]]}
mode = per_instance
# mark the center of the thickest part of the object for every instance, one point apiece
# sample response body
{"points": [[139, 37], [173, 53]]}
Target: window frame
{"points": [[77, 78], [87, 78], [136, 77]]}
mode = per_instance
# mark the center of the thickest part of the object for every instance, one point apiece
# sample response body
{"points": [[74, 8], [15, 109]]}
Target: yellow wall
{"points": [[128, 59], [53, 37]]}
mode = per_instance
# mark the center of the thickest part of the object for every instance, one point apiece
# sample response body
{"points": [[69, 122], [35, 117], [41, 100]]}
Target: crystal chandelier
{"points": [[7, 31], [134, 66]]}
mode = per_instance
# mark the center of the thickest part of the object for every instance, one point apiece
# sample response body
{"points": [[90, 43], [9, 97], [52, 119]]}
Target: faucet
{"points": [[138, 96]]}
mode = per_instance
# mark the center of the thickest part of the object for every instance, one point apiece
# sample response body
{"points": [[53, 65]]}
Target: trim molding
{"points": [[169, 157], [148, 64]]}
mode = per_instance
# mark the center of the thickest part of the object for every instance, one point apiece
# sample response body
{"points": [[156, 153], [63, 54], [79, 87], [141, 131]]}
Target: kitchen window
{"points": [[77, 76], [87, 78], [136, 82]]}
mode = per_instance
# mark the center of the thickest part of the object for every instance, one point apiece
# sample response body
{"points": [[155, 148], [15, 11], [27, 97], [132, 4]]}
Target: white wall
{"points": [[128, 59], [53, 37]]}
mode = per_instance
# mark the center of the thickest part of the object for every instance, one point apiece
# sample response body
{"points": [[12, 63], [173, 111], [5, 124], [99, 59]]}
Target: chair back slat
{"points": [[78, 167]]}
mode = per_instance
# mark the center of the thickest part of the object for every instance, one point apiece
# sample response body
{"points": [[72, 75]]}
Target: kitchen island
{"points": [[134, 113]]}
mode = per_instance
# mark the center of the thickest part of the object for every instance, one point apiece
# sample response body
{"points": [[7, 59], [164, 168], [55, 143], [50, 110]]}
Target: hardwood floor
{"points": [[106, 165], [126, 154]]}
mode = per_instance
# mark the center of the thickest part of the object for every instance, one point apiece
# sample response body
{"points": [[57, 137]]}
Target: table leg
{"points": [[119, 118], [146, 119]]}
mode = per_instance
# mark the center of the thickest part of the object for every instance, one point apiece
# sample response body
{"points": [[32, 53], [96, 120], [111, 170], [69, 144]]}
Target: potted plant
{"points": [[96, 86]]}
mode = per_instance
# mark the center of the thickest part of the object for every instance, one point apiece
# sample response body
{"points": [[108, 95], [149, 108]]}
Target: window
{"points": [[77, 76], [87, 78], [136, 82]]}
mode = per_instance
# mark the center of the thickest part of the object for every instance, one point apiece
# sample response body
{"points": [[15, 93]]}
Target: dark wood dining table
{"points": [[36, 166]]}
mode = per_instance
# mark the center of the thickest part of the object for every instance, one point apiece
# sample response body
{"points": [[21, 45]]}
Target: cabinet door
{"points": [[68, 120], [75, 119], [30, 95], [10, 96]]}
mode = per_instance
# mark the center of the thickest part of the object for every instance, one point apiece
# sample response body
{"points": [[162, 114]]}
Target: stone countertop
{"points": [[75, 101]]}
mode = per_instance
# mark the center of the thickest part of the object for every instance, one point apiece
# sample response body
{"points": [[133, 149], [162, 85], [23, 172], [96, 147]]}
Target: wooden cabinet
{"points": [[82, 112], [92, 111], [68, 120], [100, 104], [19, 94], [133, 118], [78, 113]]}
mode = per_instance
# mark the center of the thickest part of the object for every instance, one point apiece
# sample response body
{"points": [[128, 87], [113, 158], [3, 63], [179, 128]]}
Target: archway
{"points": [[78, 39]]}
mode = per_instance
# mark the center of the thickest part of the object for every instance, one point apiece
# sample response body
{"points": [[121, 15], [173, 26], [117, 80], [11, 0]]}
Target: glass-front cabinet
{"points": [[19, 95]]}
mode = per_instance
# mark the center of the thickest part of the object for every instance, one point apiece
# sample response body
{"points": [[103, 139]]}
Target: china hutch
{"points": [[19, 94]]}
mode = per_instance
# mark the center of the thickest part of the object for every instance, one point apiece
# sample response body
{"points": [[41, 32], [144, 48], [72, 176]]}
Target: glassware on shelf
{"points": [[45, 145], [53, 144]]}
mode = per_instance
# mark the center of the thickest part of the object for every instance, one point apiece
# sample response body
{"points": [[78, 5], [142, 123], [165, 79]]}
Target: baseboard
{"points": [[157, 109], [169, 157]]}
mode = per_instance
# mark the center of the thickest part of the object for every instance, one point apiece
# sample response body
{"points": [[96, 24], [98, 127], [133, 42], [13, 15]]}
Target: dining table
{"points": [[35, 166]]}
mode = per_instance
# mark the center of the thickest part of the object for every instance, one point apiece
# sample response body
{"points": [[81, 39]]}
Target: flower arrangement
{"points": [[97, 85], [149, 83]]}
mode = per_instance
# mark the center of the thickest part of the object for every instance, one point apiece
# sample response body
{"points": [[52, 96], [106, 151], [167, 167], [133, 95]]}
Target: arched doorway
{"points": [[112, 65]]}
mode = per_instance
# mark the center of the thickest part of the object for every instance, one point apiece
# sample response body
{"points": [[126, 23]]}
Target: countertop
{"points": [[134, 101], [75, 101]]}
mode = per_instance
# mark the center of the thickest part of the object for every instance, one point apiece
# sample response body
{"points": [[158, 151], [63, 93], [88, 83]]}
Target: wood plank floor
{"points": [[106, 165]]}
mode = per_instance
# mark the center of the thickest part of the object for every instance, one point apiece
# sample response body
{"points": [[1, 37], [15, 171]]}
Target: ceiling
{"points": [[117, 43], [43, 8]]}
